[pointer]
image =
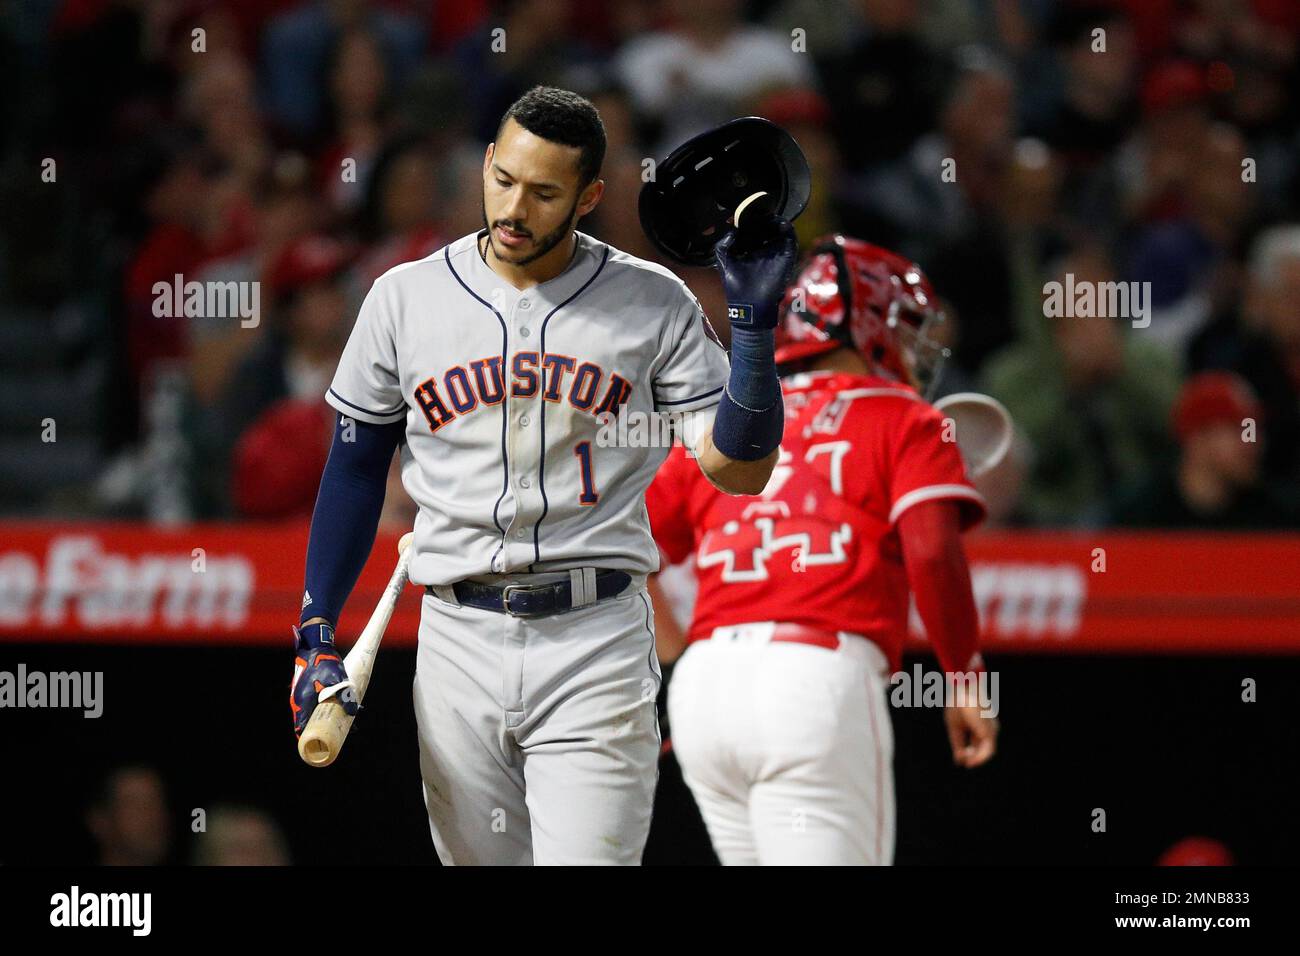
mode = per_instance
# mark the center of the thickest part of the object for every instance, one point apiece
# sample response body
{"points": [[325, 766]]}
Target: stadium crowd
{"points": [[310, 145]]}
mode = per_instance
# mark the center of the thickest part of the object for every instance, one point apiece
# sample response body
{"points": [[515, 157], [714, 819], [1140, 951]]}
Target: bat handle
{"points": [[323, 738]]}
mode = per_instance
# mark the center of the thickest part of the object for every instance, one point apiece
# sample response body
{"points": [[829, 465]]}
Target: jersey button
{"points": [[523, 419], [525, 304], [524, 482], [519, 533], [524, 331]]}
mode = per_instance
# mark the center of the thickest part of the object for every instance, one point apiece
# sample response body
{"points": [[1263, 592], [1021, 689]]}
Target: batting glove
{"points": [[318, 675], [756, 265]]}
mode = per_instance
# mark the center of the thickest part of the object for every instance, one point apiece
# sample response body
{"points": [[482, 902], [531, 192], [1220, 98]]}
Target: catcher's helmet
{"points": [[686, 207], [874, 301]]}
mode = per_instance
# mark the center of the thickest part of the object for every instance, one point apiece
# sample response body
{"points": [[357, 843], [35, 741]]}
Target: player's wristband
{"points": [[743, 434], [751, 415], [309, 636], [753, 382]]}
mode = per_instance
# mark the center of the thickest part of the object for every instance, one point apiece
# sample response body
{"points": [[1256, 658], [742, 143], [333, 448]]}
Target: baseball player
{"points": [[493, 363], [778, 704]]}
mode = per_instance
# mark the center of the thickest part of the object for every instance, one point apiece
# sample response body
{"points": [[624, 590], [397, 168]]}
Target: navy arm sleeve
{"points": [[347, 511]]}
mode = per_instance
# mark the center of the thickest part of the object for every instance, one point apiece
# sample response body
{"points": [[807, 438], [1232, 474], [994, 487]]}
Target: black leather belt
{"points": [[534, 600]]}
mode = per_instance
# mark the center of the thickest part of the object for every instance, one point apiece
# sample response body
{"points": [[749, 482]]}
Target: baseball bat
{"points": [[328, 727]]}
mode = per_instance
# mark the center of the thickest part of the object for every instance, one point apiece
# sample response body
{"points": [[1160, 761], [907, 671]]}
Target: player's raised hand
{"points": [[972, 735], [757, 263], [318, 674]]}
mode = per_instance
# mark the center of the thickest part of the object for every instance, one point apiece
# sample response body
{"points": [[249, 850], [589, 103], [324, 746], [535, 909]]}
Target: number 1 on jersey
{"points": [[588, 495]]}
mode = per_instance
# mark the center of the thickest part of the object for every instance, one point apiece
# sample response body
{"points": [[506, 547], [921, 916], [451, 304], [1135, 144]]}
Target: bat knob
{"points": [[315, 751]]}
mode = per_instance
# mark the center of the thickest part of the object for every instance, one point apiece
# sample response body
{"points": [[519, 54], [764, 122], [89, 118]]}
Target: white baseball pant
{"points": [[787, 748], [539, 739]]}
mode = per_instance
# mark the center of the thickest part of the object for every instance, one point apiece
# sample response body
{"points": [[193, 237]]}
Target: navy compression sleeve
{"points": [[751, 415], [347, 511]]}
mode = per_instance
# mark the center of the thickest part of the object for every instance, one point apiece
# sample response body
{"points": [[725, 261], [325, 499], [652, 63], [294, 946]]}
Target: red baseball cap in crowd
{"points": [[1212, 398], [1173, 84], [279, 459], [306, 261]]}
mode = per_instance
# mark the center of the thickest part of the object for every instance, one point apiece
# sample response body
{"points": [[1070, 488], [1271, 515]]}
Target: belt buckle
{"points": [[510, 589]]}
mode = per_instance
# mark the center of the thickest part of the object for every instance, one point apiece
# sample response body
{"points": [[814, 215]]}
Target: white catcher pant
{"points": [[539, 740], [787, 748]]}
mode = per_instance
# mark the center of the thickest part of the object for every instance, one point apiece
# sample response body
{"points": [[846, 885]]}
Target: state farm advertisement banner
{"points": [[236, 584], [1037, 592]]}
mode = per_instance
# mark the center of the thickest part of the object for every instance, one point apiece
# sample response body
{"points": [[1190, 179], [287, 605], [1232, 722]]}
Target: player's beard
{"points": [[543, 245]]}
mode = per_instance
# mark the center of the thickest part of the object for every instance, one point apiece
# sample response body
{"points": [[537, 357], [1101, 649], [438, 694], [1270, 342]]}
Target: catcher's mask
{"points": [[686, 208], [869, 299]]}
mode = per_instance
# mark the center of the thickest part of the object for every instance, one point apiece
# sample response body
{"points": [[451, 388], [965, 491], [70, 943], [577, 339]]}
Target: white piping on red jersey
{"points": [[929, 492]]}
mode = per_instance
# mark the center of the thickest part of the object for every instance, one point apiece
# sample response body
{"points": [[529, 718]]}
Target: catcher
{"points": [[778, 705]]}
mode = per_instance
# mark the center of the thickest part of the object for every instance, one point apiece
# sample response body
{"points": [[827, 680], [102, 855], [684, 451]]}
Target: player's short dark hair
{"points": [[565, 118]]}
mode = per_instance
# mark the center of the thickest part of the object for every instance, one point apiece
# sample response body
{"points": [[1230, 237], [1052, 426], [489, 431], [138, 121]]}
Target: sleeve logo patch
{"points": [[741, 314]]}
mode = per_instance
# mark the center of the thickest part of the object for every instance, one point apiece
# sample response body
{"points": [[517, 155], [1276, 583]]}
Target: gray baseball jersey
{"points": [[505, 392]]}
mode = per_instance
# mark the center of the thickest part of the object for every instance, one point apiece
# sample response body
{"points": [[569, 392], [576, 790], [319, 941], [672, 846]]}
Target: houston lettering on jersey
{"points": [[559, 377]]}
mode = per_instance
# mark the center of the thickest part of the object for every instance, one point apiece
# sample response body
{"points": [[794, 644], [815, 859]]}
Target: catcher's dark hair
{"points": [[566, 118]]}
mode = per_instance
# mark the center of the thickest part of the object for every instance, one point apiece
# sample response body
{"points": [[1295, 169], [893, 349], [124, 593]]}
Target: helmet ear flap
{"points": [[834, 247]]}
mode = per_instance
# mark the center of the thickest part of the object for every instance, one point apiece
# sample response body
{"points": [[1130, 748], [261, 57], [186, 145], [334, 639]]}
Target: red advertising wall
{"points": [[1038, 592]]}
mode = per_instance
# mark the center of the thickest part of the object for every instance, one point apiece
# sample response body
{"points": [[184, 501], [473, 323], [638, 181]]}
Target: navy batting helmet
{"points": [[688, 205]]}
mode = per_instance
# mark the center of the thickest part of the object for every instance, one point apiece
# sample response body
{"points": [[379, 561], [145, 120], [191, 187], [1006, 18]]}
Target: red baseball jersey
{"points": [[820, 546]]}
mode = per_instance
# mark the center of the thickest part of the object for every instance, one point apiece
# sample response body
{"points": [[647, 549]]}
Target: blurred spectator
{"points": [[1262, 344], [240, 836], [1098, 57], [1093, 402], [178, 210], [293, 357], [1156, 163], [278, 461], [1093, 111], [832, 26], [1215, 483], [1186, 256], [296, 49], [705, 69], [359, 119], [885, 87], [286, 211], [129, 819], [806, 116], [220, 101], [462, 194], [616, 115], [615, 220], [942, 204], [1197, 851], [398, 219], [1036, 231], [298, 359], [521, 44]]}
